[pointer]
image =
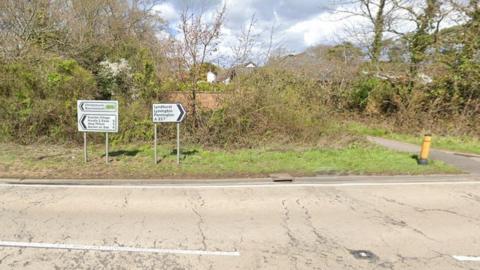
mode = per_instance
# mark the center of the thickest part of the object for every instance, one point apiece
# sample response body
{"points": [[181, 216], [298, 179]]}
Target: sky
{"points": [[297, 24]]}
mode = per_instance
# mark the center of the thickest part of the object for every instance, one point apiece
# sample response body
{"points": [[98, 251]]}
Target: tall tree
{"points": [[378, 29], [200, 40], [426, 16], [379, 14]]}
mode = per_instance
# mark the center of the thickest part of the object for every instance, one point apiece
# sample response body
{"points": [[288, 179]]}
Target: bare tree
{"points": [[74, 28], [247, 40], [200, 40], [379, 14], [26, 23]]}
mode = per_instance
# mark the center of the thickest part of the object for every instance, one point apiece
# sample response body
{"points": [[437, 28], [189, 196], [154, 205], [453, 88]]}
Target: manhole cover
{"points": [[364, 255]]}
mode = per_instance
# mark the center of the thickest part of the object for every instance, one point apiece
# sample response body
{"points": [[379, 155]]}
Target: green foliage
{"points": [[361, 92], [374, 95], [210, 87], [206, 67], [68, 66], [136, 122], [44, 97], [169, 85], [68, 79]]}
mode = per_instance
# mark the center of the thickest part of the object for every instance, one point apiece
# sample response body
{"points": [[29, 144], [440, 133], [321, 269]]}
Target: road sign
{"points": [[168, 113], [97, 115]]}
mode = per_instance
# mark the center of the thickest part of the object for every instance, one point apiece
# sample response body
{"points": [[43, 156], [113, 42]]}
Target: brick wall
{"points": [[205, 100]]}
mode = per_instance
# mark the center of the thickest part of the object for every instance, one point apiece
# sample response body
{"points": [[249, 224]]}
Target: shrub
{"points": [[265, 106], [44, 103]]}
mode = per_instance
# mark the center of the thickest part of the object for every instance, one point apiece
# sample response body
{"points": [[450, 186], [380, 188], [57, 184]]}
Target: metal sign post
{"points": [[97, 116], [85, 146], [106, 147], [178, 143], [155, 143], [168, 113]]}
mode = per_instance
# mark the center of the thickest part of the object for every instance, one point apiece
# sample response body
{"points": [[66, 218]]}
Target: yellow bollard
{"points": [[425, 150]]}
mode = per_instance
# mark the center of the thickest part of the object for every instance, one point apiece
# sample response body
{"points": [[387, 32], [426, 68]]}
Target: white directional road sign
{"points": [[163, 113], [97, 115]]}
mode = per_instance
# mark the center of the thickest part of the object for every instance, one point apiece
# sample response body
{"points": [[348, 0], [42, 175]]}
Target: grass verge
{"points": [[460, 144], [136, 161]]}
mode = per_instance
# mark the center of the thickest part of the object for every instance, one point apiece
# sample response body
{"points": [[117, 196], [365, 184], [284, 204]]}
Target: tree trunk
{"points": [[379, 26]]}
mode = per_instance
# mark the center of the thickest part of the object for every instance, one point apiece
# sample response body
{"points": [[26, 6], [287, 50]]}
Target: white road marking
{"points": [[466, 258], [116, 248], [216, 186]]}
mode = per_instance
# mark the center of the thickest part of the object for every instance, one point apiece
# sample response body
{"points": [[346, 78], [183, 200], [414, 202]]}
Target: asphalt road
{"points": [[281, 226]]}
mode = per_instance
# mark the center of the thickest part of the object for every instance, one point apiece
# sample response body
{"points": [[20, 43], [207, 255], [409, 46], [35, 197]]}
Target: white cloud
{"points": [[323, 28], [298, 23], [167, 12]]}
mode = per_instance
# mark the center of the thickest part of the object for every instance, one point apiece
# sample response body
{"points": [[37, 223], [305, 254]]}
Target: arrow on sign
{"points": [[82, 121], [168, 113], [182, 113], [100, 106]]}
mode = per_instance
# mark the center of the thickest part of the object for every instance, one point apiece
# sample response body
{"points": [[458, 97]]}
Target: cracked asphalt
{"points": [[297, 227]]}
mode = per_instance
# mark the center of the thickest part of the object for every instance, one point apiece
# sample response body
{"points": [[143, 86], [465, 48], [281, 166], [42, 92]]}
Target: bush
{"points": [[361, 92], [375, 96], [44, 103], [266, 106]]}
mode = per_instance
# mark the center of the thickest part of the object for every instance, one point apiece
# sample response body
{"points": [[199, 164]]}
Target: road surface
{"points": [[365, 225]]}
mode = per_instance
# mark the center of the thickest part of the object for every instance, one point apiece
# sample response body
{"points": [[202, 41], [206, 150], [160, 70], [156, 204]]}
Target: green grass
{"points": [[461, 144], [136, 161]]}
